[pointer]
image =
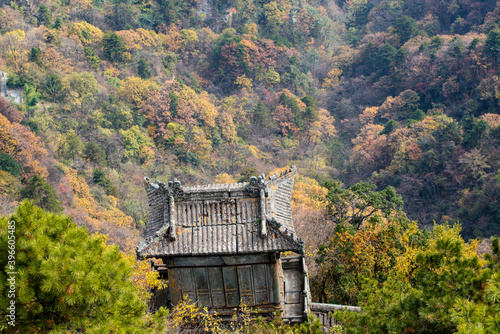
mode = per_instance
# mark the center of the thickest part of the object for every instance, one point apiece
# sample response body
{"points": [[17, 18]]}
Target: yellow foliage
{"points": [[207, 109], [111, 71], [190, 37], [407, 259], [11, 47], [323, 127], [173, 38], [278, 170], [202, 145], [250, 31], [272, 77], [244, 82], [248, 44], [368, 115], [227, 126], [131, 39], [140, 39], [273, 14], [9, 184], [84, 30], [224, 178], [308, 193], [144, 277], [254, 150], [148, 38], [18, 34], [135, 90], [146, 155], [314, 132], [332, 78]]}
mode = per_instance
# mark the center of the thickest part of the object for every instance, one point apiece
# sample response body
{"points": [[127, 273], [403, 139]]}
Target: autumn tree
{"points": [[138, 145], [157, 111], [352, 255], [433, 293], [81, 89], [11, 113], [30, 152]]}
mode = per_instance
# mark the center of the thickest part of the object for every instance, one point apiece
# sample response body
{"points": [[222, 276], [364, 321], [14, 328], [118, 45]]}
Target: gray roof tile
{"points": [[220, 219]]}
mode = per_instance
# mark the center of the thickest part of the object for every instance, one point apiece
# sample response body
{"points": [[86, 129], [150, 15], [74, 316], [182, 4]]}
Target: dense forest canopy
{"points": [[398, 93], [390, 107]]}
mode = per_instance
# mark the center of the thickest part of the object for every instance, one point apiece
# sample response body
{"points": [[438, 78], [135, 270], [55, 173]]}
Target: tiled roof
{"points": [[221, 218]]}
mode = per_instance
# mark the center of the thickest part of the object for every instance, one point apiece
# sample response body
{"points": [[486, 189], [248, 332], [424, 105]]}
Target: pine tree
{"points": [[8, 164], [113, 46], [143, 69], [44, 15], [94, 153], [493, 43], [41, 193], [67, 281], [442, 279]]}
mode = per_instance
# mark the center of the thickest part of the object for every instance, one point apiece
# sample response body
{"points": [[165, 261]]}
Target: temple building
{"points": [[224, 246]]}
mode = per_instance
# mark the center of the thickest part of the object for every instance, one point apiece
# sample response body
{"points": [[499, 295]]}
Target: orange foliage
{"points": [[368, 144], [284, 117], [413, 151], [7, 141], [308, 193], [91, 207], [30, 152], [224, 178], [172, 37], [368, 115], [493, 120], [140, 39]]}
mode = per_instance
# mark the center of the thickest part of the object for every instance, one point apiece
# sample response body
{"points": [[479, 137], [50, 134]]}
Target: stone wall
{"points": [[324, 312], [15, 95]]}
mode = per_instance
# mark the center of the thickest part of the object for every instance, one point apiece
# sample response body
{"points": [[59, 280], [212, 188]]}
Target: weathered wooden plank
{"points": [[261, 285], [202, 287], [231, 288], [245, 281], [217, 287]]}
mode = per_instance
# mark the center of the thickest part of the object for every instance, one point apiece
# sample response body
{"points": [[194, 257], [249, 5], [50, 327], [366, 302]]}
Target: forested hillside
{"points": [[397, 92], [402, 94]]}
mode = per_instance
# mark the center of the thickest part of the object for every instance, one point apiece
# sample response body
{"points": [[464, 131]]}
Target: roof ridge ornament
{"points": [[255, 183], [173, 191], [259, 185]]}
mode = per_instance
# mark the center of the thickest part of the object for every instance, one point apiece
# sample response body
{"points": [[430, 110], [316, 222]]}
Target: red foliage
{"points": [[11, 113]]}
